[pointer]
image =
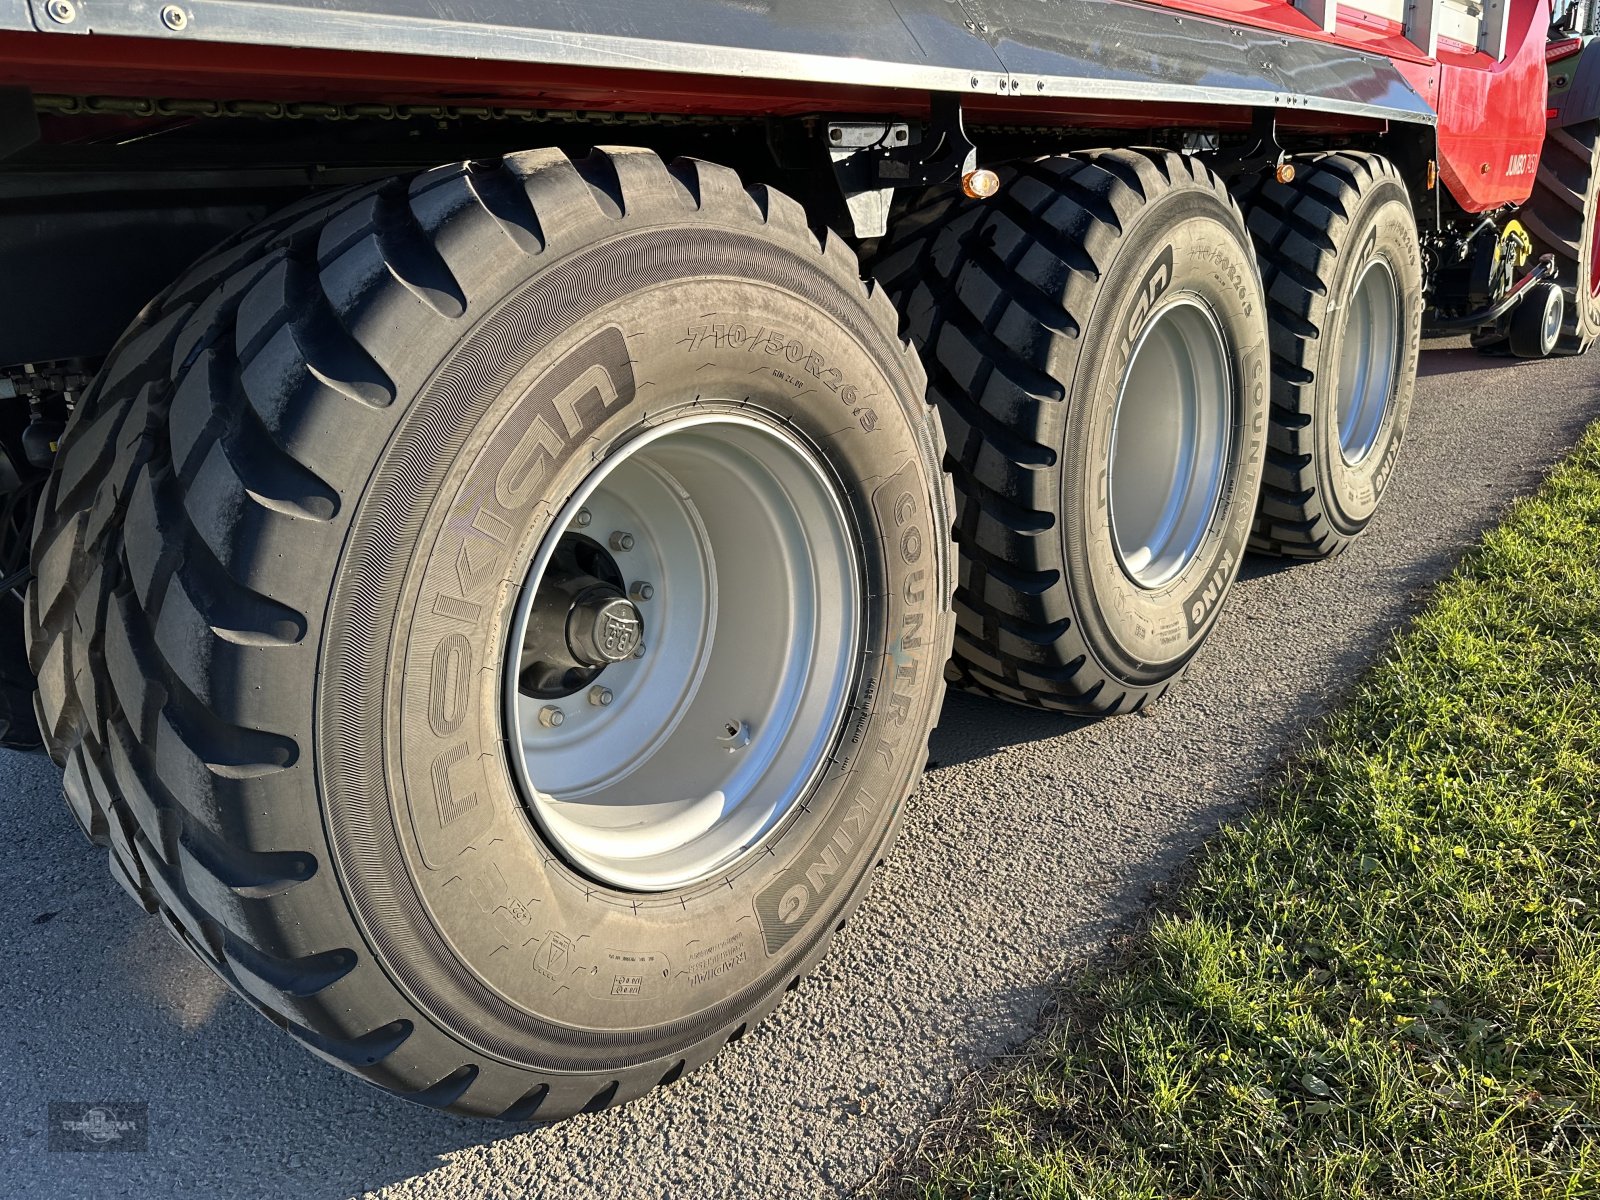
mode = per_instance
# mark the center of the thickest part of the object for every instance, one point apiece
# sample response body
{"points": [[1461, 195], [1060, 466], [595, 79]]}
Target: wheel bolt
{"points": [[599, 696], [621, 541], [583, 518], [640, 590], [550, 716]]}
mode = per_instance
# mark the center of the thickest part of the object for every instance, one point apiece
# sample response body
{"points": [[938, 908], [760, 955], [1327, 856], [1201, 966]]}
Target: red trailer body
{"points": [[1489, 110]]}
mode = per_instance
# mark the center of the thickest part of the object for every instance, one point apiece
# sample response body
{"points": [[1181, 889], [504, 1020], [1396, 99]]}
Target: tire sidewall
{"points": [[1587, 300], [1187, 242], [476, 917], [1381, 229]]}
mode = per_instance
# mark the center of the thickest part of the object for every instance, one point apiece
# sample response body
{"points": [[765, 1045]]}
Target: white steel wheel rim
{"points": [[751, 641], [1170, 438], [1368, 360]]}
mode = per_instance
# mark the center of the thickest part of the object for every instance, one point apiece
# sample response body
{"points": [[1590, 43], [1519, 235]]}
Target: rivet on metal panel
{"points": [[62, 12], [174, 18]]}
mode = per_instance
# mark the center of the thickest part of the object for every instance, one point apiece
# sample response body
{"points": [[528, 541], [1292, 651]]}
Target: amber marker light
{"points": [[980, 184], [1284, 173]]}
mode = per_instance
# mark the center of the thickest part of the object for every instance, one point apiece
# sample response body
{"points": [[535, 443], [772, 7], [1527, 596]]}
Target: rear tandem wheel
{"points": [[1096, 341], [1343, 273]]}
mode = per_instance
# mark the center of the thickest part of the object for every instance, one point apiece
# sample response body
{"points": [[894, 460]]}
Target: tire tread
{"points": [[157, 639]]}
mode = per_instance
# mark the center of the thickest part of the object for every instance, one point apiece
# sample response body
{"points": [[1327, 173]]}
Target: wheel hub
{"points": [[579, 623], [1368, 361], [603, 627], [1169, 442], [680, 683]]}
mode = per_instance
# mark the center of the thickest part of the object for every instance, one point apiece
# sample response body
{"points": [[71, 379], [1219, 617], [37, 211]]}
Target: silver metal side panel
{"points": [[1099, 49], [1116, 51]]}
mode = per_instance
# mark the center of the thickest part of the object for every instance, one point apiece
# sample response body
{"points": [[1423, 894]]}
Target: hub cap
{"points": [[1367, 361], [1169, 442], [675, 685]]}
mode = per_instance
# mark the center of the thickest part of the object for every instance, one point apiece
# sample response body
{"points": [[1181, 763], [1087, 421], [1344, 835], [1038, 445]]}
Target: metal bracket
{"points": [[1421, 25], [1324, 12], [1494, 35], [871, 158], [19, 123], [1544, 269], [1261, 153]]}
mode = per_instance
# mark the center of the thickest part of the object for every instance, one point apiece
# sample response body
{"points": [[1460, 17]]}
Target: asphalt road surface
{"points": [[1030, 840]]}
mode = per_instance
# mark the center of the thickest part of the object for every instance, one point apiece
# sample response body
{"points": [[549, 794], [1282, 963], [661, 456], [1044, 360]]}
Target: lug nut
{"points": [[599, 696], [583, 518], [640, 590], [621, 541], [550, 716]]}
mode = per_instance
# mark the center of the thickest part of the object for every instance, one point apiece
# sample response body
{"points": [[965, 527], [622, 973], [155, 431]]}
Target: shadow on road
{"points": [[102, 1005], [975, 727], [1458, 360]]}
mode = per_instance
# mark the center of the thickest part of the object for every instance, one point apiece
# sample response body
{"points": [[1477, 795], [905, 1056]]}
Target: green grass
{"points": [[1386, 982]]}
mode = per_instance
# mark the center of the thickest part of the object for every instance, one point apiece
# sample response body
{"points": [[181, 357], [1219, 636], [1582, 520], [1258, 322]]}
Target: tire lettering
{"points": [[578, 390], [456, 608], [519, 479], [911, 634], [1205, 599], [595, 383], [793, 903], [493, 526], [800, 900], [794, 350], [1368, 244], [1156, 281], [452, 676], [468, 576], [449, 804], [911, 544]]}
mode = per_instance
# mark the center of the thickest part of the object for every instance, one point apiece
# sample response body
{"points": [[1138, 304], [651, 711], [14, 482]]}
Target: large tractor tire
{"points": [[495, 618], [1095, 338], [1343, 272], [1563, 218]]}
